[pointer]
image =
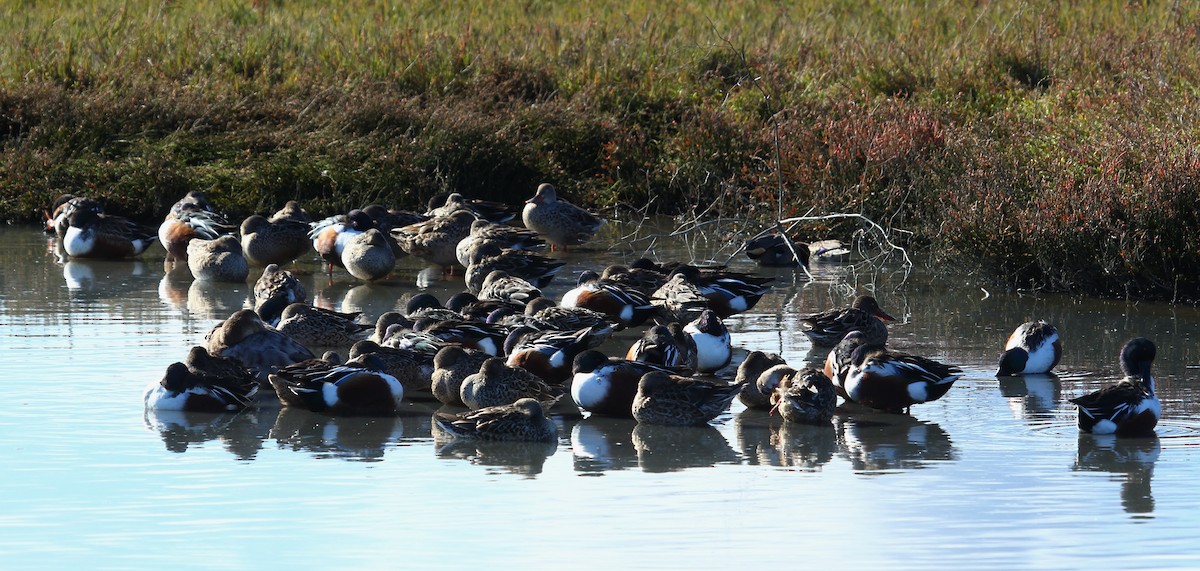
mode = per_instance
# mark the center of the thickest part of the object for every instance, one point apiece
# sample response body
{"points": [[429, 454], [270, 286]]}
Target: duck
{"points": [[728, 292], [806, 397], [435, 239], [490, 210], [498, 384], [475, 335], [203, 383], [1033, 348], [189, 219], [281, 241], [622, 305], [607, 386], [276, 289], [565, 318], [666, 345], [426, 305], [501, 286], [777, 251], [330, 235], [523, 420], [678, 300], [868, 373], [217, 260], [551, 354], [559, 222], [451, 365], [535, 268], [828, 328], [641, 275], [368, 256], [258, 346], [91, 234], [387, 218], [504, 236], [672, 400], [340, 390], [58, 219], [714, 349], [761, 373], [293, 211], [1129, 407], [412, 368], [318, 327]]}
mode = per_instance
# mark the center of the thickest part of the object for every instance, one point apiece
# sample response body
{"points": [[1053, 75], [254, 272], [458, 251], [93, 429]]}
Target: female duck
{"points": [[1130, 407], [828, 328], [558, 221], [1033, 348], [680, 401], [524, 420]]}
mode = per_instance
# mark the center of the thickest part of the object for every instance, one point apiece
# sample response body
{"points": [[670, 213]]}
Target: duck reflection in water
{"points": [[524, 458], [600, 444], [216, 300], [1032, 397], [103, 278], [767, 439], [242, 433], [1130, 460], [879, 443], [757, 432], [363, 438], [672, 448]]}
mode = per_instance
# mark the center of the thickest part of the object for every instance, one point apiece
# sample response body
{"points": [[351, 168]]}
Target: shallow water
{"points": [[994, 475]]}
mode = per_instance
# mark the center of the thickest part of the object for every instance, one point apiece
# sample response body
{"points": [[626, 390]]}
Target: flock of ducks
{"points": [[510, 355]]}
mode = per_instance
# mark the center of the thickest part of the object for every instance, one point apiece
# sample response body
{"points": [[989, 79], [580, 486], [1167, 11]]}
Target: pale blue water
{"points": [[991, 476]]}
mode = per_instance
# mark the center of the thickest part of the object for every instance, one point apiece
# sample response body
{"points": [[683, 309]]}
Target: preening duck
{"points": [[1033, 348], [1130, 407], [870, 374]]}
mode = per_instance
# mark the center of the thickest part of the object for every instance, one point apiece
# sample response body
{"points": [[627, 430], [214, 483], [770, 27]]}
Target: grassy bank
{"points": [[1049, 146]]}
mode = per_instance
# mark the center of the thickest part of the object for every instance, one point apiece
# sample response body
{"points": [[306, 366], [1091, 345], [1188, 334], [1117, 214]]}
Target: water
{"points": [[994, 475]]}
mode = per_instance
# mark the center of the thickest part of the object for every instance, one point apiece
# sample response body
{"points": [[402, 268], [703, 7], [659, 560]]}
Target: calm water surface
{"points": [[994, 475]]}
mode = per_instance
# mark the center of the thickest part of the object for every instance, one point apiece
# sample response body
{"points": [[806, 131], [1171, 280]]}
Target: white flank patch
{"points": [[329, 392], [1104, 427], [918, 391]]}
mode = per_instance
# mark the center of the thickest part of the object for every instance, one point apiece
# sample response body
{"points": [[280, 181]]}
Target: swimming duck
{"points": [[451, 365], [607, 386], [1130, 407], [504, 236], [344, 390], [807, 397], [498, 384], [190, 219], [258, 346], [761, 372], [318, 327], [666, 345], [203, 383], [868, 373], [218, 260], [776, 250], [558, 221], [622, 305], [524, 420], [58, 219], [330, 235], [535, 268], [1033, 348], [276, 289], [680, 401], [551, 354], [828, 328], [714, 347], [93, 235], [265, 242], [368, 256], [435, 239], [490, 210]]}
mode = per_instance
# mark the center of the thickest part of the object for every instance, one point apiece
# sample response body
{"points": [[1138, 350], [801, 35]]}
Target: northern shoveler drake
{"points": [[678, 300], [471, 334], [777, 250], [680, 401], [502, 235], [435, 239], [1033, 348], [203, 383], [259, 347], [872, 375], [500, 285], [606, 386], [828, 328], [551, 354], [344, 390], [318, 327], [535, 268], [807, 397], [666, 345], [189, 220], [714, 347], [760, 373], [625, 306], [490, 210], [728, 293], [498, 384], [265, 242], [276, 289], [93, 235], [218, 260], [524, 420], [558, 221], [58, 219], [368, 256], [412, 368], [1130, 407], [330, 235], [451, 365]]}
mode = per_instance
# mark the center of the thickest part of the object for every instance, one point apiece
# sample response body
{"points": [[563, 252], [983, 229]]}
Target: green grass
{"points": [[1048, 145]]}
